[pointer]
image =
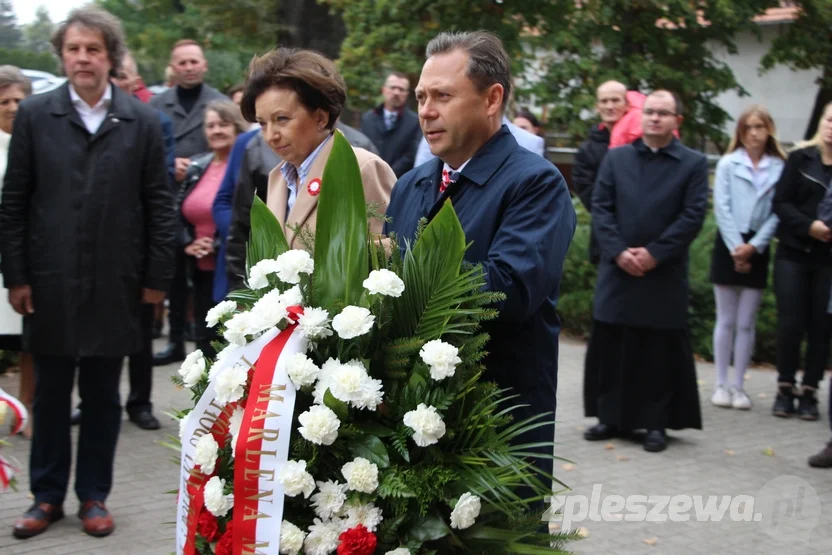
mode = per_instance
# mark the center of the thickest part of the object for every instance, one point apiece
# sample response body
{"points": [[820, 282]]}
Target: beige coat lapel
{"points": [[302, 213], [278, 195]]}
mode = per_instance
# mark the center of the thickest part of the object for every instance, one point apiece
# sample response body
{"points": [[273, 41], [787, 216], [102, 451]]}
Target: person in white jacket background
{"points": [[14, 88], [743, 193]]}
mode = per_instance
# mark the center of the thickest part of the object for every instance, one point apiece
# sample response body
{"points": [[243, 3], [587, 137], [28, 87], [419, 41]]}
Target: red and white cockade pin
{"points": [[314, 187]]}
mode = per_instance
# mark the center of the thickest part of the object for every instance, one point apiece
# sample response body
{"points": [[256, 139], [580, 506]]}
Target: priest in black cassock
{"points": [[648, 205]]}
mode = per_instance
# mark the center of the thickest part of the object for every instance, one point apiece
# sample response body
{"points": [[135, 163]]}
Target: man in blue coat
{"points": [[513, 205]]}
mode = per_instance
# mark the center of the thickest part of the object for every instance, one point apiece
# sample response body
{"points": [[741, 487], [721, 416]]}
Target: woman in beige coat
{"points": [[297, 96]]}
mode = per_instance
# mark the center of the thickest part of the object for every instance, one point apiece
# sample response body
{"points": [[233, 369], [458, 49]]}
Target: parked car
{"points": [[43, 81]]}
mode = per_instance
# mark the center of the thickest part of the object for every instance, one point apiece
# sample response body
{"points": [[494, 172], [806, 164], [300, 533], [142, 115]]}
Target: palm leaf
{"points": [[341, 257], [266, 239]]}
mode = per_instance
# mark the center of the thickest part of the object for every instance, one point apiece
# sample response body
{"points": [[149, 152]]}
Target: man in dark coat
{"points": [[185, 105], [649, 204], [392, 127], [232, 207], [611, 104], [514, 207], [87, 236]]}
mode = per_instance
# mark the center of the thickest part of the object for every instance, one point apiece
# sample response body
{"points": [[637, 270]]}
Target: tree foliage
{"points": [[37, 35], [10, 34], [386, 35], [805, 43], [647, 45]]}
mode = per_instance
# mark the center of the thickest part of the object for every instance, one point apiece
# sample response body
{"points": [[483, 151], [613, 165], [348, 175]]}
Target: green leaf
{"points": [[338, 407], [267, 239], [341, 259], [371, 448], [374, 428], [427, 529]]}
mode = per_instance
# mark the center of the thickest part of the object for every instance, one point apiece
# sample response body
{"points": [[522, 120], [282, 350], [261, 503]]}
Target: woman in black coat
{"points": [[223, 123], [803, 272]]}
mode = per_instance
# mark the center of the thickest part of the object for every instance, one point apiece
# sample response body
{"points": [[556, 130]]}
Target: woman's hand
{"points": [[743, 253], [201, 247], [742, 267], [820, 231]]}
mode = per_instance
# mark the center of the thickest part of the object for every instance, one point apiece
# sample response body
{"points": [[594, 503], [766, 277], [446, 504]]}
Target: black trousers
{"points": [[203, 302], [802, 291], [50, 459], [178, 301], [141, 366]]}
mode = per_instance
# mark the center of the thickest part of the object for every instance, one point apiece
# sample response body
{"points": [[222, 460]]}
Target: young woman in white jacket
{"points": [[743, 192]]}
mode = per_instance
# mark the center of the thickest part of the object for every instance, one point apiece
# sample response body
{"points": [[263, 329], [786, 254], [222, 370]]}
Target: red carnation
{"points": [[207, 526], [226, 542], [356, 541]]}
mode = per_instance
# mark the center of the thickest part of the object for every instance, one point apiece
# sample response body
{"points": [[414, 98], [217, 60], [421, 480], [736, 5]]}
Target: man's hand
{"points": [[20, 297], [628, 262], [201, 247], [820, 231], [644, 258], [182, 168], [743, 253], [152, 296]]}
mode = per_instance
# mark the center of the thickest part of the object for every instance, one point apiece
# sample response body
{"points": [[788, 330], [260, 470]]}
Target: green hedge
{"points": [[578, 283]]}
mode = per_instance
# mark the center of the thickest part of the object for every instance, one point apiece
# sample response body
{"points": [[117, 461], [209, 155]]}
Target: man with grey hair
{"points": [[86, 235], [514, 207]]}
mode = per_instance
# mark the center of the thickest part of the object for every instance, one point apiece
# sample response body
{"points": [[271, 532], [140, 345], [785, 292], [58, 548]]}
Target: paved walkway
{"points": [[736, 454]]}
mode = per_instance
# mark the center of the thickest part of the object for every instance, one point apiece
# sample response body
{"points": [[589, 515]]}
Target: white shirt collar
{"points": [[449, 169], [105, 100], [765, 161]]}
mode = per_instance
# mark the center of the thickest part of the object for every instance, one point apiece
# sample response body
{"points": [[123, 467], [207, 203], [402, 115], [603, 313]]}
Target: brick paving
{"points": [[727, 458]]}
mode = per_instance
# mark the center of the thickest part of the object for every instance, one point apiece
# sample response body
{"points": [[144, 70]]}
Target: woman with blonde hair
{"points": [[803, 273], [743, 193], [14, 88]]}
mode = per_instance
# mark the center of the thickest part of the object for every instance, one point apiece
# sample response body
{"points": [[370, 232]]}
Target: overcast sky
{"points": [[25, 9]]}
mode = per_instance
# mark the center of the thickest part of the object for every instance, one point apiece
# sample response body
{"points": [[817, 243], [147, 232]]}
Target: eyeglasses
{"points": [[660, 113]]}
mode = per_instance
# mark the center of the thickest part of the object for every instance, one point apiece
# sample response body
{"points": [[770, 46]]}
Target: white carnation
{"points": [[353, 321], [369, 515], [329, 499], [215, 499], [384, 282], [183, 423], [221, 360], [220, 311], [301, 370], [258, 275], [426, 423], [292, 263], [192, 369], [319, 425], [399, 551], [322, 538], [230, 384], [206, 454], [441, 357], [293, 296], [350, 383], [361, 475], [466, 511], [268, 311], [314, 323], [238, 327], [296, 480], [328, 370], [291, 538], [235, 422]]}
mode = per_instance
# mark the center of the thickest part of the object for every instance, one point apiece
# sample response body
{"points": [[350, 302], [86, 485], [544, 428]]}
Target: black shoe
{"points": [[75, 419], [190, 332], [822, 459], [145, 420], [600, 432], [807, 406], [655, 441], [172, 353], [784, 403]]}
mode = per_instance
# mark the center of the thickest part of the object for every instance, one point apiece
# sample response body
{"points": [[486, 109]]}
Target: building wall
{"points": [[789, 95]]}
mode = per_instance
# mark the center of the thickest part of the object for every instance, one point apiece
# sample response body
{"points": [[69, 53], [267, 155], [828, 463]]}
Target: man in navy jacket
{"points": [[513, 205]]}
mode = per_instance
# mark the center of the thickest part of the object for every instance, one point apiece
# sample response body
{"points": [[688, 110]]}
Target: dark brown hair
{"points": [[311, 75], [93, 17]]}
